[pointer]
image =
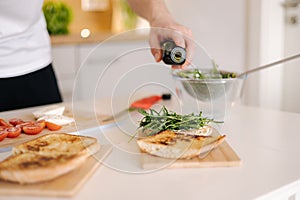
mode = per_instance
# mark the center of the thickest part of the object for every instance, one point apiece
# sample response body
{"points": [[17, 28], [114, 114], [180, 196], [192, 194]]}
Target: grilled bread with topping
{"points": [[47, 157], [58, 143], [168, 144], [29, 168]]}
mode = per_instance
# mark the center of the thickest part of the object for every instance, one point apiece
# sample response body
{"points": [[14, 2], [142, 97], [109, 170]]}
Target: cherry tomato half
{"points": [[53, 127], [2, 128], [42, 123], [13, 132], [15, 121], [25, 124], [3, 123], [3, 134], [32, 129]]}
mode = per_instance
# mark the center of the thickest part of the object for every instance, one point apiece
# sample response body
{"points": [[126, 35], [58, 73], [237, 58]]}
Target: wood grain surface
{"points": [[63, 186], [82, 121], [222, 156]]}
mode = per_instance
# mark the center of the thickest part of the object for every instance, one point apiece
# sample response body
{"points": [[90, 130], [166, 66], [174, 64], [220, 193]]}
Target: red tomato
{"points": [[13, 132], [42, 123], [15, 121], [2, 128], [53, 127], [32, 129], [3, 134], [24, 124], [3, 123]]}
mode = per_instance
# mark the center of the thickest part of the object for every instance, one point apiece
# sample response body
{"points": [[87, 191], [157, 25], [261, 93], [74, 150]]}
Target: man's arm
{"points": [[151, 10]]}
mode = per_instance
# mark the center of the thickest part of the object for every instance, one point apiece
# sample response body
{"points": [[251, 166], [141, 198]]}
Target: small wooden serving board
{"points": [[64, 186], [222, 156], [83, 121]]}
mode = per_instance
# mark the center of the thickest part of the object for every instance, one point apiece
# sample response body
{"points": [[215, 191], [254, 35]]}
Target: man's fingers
{"points": [[155, 47], [157, 36], [156, 54], [178, 39], [190, 51]]}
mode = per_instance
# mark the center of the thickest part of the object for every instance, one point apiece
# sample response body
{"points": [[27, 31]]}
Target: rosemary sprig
{"points": [[155, 122]]}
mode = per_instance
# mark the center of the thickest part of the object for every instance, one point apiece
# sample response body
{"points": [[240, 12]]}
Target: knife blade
{"points": [[5, 149]]}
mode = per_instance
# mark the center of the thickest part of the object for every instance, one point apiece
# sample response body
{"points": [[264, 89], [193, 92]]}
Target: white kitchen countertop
{"points": [[267, 142]]}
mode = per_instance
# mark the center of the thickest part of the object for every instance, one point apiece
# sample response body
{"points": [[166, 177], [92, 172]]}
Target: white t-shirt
{"points": [[24, 40]]}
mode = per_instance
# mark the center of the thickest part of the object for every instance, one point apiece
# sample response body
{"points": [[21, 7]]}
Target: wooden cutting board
{"points": [[83, 121], [223, 156], [66, 185]]}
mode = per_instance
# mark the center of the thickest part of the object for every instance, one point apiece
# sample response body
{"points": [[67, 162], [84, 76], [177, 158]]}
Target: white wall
{"points": [[272, 49], [291, 92], [265, 45]]}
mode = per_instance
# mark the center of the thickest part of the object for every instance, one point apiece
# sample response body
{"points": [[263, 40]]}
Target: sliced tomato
{"points": [[3, 134], [3, 123], [42, 123], [32, 129], [2, 128], [53, 127], [15, 121], [25, 124], [13, 132]]}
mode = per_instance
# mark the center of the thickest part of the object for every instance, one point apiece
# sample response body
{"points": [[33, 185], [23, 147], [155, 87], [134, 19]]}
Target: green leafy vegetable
{"points": [[155, 122], [228, 75], [58, 16], [196, 74]]}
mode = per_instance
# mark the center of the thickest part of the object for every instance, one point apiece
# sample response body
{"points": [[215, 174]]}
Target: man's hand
{"points": [[168, 29], [163, 27]]}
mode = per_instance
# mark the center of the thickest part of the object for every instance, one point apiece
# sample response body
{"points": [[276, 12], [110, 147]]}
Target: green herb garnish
{"points": [[228, 75], [214, 73], [196, 74], [155, 122]]}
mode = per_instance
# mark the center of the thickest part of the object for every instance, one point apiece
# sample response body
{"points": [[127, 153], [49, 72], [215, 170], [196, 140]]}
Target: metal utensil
{"points": [[5, 149], [209, 89], [269, 65]]}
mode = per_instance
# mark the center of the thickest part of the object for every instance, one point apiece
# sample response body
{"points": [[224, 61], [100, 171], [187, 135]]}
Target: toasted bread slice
{"points": [[32, 168], [47, 157], [168, 144], [58, 143]]}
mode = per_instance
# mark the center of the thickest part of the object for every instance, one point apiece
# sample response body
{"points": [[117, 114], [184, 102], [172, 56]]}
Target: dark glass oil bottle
{"points": [[172, 54]]}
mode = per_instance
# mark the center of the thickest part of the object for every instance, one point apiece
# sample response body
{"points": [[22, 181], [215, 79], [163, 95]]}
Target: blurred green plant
{"points": [[128, 15], [58, 16]]}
